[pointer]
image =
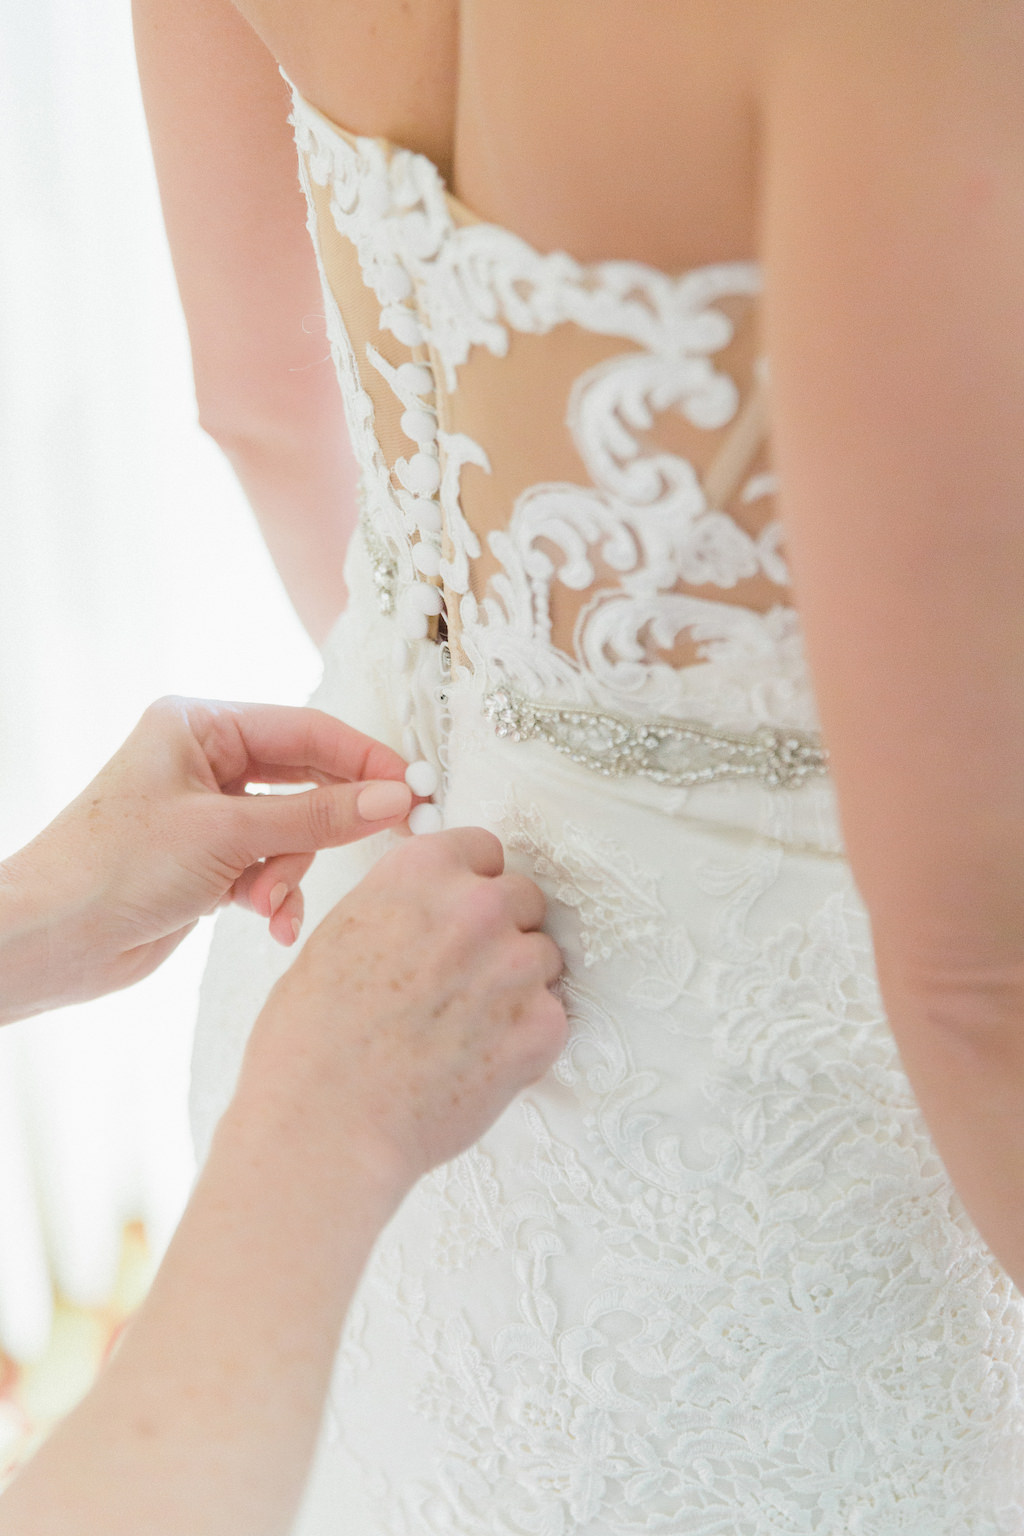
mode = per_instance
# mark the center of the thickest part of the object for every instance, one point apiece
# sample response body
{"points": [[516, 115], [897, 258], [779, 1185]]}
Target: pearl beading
{"points": [[674, 752]]}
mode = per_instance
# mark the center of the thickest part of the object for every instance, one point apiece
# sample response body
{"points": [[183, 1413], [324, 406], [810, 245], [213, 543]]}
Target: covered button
{"points": [[422, 474], [427, 515], [426, 558], [416, 378], [424, 818], [402, 324], [422, 777], [394, 283], [420, 425], [421, 597]]}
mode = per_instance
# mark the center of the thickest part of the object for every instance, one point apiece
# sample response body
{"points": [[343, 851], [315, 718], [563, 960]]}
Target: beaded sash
{"points": [[679, 753], [675, 752]]}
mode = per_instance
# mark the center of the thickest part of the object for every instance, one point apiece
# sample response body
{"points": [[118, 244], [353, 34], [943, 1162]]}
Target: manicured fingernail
{"points": [[277, 895], [378, 802], [296, 926]]}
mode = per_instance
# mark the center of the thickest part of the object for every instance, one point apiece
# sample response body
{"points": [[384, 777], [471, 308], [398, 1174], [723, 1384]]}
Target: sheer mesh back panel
{"points": [[519, 408]]}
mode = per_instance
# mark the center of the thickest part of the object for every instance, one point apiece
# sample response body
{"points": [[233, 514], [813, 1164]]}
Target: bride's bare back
{"points": [[550, 122], [598, 127], [872, 159]]}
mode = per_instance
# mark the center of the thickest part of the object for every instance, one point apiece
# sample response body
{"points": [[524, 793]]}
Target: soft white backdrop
{"points": [[130, 566]]}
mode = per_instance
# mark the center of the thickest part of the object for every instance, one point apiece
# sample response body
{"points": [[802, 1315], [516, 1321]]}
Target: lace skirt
{"points": [[708, 1277]]}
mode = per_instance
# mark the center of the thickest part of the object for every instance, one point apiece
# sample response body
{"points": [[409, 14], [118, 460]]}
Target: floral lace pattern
{"points": [[645, 515], [616, 900], [707, 1277], [741, 1294]]}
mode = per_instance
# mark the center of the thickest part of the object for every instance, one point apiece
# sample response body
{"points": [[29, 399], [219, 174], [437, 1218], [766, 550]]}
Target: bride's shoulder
{"points": [[384, 67]]}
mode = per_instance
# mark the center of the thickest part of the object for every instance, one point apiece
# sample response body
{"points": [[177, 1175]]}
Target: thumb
{"points": [[324, 817]]}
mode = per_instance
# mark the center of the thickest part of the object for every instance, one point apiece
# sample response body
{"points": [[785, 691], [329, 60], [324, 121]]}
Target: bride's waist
{"points": [[488, 768], [486, 737]]}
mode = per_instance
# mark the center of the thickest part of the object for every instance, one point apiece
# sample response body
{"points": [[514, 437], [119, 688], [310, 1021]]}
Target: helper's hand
{"points": [[166, 833], [415, 1012], [405, 1025]]}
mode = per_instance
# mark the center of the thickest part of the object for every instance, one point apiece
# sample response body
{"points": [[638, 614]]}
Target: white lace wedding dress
{"points": [[708, 1277]]}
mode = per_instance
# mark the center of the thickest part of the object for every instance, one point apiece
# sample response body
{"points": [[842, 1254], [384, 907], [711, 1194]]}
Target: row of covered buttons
{"points": [[421, 600], [421, 477], [422, 779], [421, 776]]}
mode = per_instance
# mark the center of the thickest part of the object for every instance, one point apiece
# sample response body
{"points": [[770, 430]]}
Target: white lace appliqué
{"points": [[708, 1276], [747, 1316], [646, 515]]}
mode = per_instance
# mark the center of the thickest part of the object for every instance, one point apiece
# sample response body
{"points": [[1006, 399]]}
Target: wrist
{"points": [[42, 963], [288, 1097]]}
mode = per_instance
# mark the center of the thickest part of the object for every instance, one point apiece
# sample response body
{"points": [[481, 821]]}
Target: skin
{"points": [[268, 396], [872, 158], [402, 1030], [895, 323], [165, 834]]}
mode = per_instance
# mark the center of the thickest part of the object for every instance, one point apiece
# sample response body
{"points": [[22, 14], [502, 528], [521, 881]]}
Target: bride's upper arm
{"points": [[893, 241], [217, 111]]}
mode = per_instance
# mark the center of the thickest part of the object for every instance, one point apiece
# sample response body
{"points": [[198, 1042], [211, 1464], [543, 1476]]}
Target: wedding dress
{"points": [[708, 1277]]}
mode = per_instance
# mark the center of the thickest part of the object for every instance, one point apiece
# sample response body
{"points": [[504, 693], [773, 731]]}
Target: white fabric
{"points": [[708, 1277]]}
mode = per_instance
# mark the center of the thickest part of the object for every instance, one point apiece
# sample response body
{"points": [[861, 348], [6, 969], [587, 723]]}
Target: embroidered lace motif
{"points": [[707, 1277], [622, 557], [710, 1277]]}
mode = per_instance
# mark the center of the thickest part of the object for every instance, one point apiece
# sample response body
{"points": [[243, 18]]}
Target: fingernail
{"points": [[277, 895], [378, 802], [296, 926]]}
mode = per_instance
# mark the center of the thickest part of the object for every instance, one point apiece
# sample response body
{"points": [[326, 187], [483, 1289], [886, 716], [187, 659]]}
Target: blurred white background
{"points": [[130, 566]]}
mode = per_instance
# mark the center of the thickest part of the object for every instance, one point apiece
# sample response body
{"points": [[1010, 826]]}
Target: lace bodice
{"points": [[707, 1277], [566, 466]]}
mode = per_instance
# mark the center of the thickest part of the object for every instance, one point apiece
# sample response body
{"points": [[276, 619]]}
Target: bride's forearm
{"points": [[203, 1423], [303, 489], [961, 1039], [217, 110]]}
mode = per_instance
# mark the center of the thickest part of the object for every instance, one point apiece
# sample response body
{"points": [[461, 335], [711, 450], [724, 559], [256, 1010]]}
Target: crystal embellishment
{"points": [[383, 565], [674, 752]]}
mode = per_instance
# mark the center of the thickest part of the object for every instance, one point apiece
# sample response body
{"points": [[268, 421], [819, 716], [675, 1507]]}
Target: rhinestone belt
{"points": [[669, 751]]}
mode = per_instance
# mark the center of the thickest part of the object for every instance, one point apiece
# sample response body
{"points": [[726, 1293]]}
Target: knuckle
{"points": [[322, 816], [491, 848], [552, 957], [522, 888], [169, 706], [476, 848], [542, 1038], [540, 902], [542, 957], [485, 907], [228, 822], [551, 1023]]}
